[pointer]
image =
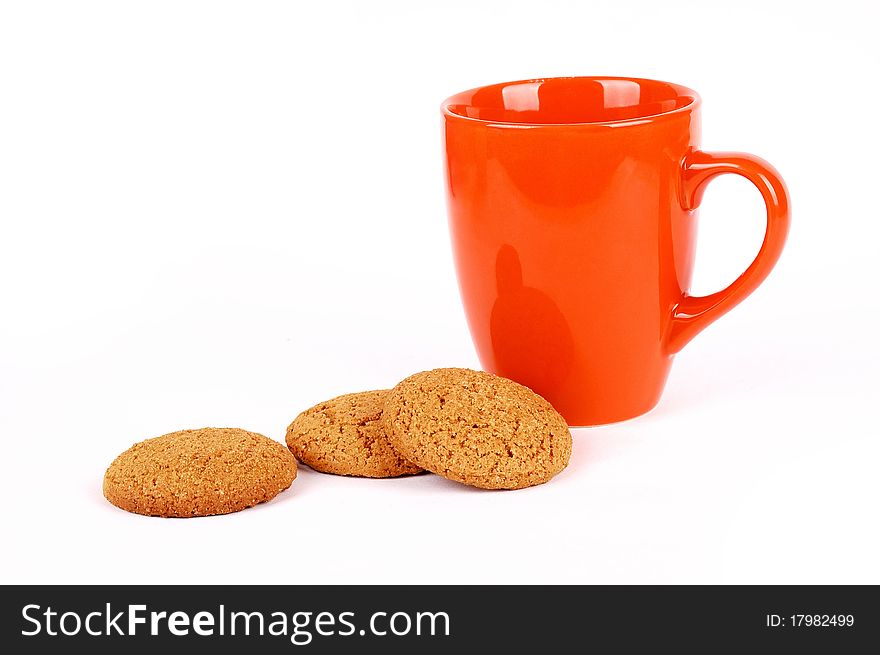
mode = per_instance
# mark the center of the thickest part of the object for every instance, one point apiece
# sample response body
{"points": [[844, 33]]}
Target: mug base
{"points": [[576, 420], [585, 406]]}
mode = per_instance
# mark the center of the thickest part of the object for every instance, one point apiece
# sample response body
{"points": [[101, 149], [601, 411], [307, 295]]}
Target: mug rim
{"points": [[681, 90]]}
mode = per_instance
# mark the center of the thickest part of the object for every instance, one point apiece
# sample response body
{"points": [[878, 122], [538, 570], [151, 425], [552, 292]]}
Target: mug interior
{"points": [[570, 100]]}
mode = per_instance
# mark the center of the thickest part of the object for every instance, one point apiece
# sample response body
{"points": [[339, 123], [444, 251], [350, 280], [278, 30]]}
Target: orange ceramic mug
{"points": [[573, 212]]}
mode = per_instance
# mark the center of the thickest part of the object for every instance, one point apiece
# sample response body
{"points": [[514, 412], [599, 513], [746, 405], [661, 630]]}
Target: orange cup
{"points": [[573, 213]]}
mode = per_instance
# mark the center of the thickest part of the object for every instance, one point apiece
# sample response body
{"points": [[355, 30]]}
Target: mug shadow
{"points": [[531, 340]]}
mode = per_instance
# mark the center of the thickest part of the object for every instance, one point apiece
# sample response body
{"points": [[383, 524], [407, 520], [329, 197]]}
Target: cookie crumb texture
{"points": [[344, 436], [199, 473], [477, 428]]}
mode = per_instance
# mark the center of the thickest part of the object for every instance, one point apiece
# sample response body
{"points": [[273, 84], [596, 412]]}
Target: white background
{"points": [[217, 213]]}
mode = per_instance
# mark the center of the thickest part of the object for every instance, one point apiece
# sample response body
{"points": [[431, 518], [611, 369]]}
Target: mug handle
{"points": [[693, 313]]}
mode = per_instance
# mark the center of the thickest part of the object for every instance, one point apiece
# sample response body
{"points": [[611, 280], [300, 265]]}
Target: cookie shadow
{"points": [[447, 486], [306, 479]]}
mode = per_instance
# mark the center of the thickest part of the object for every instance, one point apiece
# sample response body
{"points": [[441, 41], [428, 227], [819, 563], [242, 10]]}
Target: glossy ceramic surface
{"points": [[573, 212]]}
